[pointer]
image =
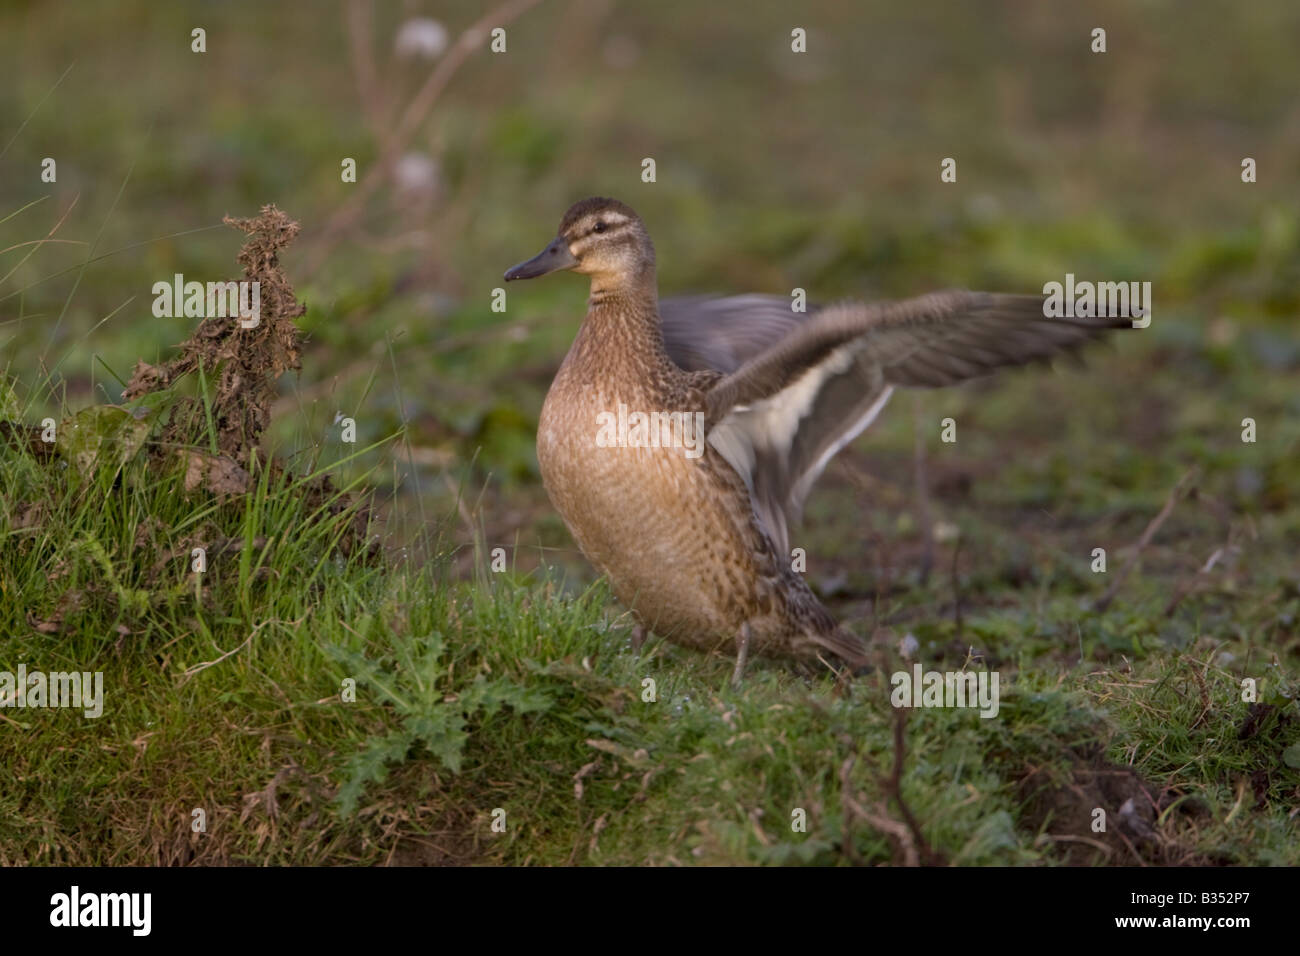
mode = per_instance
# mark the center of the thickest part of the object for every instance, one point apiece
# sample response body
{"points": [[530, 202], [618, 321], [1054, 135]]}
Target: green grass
{"points": [[224, 692]]}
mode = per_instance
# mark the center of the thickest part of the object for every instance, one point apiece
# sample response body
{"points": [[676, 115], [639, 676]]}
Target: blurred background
{"points": [[774, 170]]}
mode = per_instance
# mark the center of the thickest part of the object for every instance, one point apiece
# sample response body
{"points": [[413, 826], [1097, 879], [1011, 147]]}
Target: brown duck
{"points": [[693, 534]]}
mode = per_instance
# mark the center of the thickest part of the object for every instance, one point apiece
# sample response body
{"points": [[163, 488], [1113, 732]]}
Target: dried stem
{"points": [[415, 113], [1175, 495], [924, 514]]}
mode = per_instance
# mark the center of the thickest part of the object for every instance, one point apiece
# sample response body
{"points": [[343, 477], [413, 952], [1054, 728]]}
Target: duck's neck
{"points": [[625, 288], [622, 324]]}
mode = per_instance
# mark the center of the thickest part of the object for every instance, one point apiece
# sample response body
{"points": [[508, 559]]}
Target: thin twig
{"points": [[415, 113], [1226, 552], [361, 49], [191, 671], [1068, 838], [924, 515], [895, 786], [1178, 491], [1206, 706], [910, 839]]}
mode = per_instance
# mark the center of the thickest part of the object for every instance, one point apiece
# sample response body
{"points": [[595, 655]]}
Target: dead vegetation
{"points": [[212, 438], [247, 362]]}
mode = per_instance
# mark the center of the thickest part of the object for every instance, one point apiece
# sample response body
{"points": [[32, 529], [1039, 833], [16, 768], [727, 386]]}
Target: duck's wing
{"points": [[784, 412], [706, 333]]}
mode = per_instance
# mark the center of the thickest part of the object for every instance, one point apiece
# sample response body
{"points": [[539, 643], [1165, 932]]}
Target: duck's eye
{"points": [[598, 227]]}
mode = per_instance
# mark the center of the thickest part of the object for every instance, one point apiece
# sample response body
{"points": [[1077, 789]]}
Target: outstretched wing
{"points": [[791, 404]]}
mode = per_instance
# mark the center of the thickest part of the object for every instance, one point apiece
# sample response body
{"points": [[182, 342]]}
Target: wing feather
{"points": [[797, 387], [802, 388]]}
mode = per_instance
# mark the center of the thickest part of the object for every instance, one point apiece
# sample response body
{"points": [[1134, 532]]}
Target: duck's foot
{"points": [[742, 655], [638, 637]]}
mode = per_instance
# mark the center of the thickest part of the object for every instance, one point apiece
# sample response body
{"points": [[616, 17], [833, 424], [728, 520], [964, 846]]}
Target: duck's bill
{"points": [[553, 258]]}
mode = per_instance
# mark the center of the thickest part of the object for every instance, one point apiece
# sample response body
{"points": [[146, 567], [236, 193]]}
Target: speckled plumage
{"points": [[697, 546], [677, 537]]}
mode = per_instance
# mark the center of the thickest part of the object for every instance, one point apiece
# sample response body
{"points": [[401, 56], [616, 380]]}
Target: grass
{"points": [[510, 693]]}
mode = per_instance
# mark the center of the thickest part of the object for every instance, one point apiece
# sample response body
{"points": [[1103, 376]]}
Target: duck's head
{"points": [[601, 238]]}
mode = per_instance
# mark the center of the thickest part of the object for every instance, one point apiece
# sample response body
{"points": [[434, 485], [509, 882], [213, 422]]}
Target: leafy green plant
{"points": [[419, 688]]}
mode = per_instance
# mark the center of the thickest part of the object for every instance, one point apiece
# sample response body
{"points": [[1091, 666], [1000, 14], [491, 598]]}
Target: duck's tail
{"points": [[844, 645]]}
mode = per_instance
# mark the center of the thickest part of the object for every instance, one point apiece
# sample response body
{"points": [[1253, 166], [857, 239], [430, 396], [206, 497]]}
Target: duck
{"points": [[679, 444]]}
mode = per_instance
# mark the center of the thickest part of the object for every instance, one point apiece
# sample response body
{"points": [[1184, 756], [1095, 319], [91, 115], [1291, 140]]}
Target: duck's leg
{"points": [[638, 637], [742, 655]]}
